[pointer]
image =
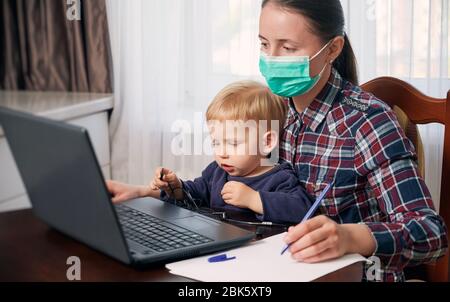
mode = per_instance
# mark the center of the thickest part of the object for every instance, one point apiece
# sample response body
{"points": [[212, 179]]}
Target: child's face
{"points": [[235, 147]]}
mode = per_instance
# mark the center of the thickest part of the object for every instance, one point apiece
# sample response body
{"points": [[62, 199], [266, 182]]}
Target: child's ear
{"points": [[270, 141]]}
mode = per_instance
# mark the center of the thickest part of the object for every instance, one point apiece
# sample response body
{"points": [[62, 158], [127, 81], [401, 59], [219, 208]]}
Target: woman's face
{"points": [[288, 33]]}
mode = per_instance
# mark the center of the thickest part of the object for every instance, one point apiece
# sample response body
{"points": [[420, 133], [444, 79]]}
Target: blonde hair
{"points": [[247, 101]]}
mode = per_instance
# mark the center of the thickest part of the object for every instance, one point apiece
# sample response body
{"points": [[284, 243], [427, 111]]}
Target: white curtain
{"points": [[172, 56], [148, 80]]}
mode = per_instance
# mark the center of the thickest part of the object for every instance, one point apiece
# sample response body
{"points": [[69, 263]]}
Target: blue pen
{"points": [[220, 258], [312, 209]]}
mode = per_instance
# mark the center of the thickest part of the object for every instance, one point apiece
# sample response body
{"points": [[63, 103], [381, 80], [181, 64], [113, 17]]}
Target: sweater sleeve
{"points": [[287, 202]]}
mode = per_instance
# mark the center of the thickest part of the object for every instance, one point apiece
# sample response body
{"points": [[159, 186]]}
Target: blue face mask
{"points": [[289, 76]]}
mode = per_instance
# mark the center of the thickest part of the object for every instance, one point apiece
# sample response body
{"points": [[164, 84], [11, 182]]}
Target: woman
{"points": [[379, 205]]}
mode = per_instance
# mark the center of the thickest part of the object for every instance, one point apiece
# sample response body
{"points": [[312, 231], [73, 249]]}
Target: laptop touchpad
{"points": [[195, 223]]}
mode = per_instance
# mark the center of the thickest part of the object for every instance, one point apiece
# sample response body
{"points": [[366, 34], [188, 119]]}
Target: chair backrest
{"points": [[422, 109]]}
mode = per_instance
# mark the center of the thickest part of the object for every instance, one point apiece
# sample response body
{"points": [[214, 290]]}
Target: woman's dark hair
{"points": [[327, 22]]}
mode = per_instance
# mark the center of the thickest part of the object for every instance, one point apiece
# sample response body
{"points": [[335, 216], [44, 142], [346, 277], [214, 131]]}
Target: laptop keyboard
{"points": [[154, 233]]}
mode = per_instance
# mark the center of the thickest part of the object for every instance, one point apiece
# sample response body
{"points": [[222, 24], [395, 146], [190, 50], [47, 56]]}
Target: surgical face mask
{"points": [[289, 76]]}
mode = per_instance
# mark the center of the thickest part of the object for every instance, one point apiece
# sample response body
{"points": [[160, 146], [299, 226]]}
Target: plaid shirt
{"points": [[349, 136]]}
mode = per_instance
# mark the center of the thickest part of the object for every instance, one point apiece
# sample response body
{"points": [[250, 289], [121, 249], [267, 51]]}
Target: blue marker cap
{"points": [[220, 258]]}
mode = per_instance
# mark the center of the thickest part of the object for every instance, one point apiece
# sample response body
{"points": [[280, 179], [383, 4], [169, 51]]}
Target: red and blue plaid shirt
{"points": [[349, 136]]}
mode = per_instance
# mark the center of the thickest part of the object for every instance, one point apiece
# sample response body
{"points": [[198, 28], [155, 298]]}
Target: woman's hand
{"points": [[320, 239], [167, 181], [122, 192], [242, 196]]}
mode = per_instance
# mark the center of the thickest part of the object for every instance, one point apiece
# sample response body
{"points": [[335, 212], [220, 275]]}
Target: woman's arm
{"points": [[410, 230], [122, 192], [320, 239]]}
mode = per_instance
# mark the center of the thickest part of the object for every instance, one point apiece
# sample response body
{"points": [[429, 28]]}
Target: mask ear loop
{"points": [[320, 51], [325, 66], [319, 75]]}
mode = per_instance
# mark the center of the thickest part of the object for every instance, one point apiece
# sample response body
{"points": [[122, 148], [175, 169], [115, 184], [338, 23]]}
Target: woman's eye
{"points": [[263, 45], [288, 49]]}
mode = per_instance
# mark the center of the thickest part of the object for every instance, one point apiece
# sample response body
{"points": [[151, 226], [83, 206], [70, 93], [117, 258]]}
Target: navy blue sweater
{"points": [[283, 198]]}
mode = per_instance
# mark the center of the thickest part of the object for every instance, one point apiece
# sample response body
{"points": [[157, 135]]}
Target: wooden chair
{"points": [[421, 109]]}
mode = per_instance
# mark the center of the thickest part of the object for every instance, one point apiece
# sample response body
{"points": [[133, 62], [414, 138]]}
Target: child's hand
{"points": [[242, 196], [169, 183], [122, 192]]}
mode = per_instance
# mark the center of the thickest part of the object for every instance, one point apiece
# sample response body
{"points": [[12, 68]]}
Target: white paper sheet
{"points": [[258, 262]]}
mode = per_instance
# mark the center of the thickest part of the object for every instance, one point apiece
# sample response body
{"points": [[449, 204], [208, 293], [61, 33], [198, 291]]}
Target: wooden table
{"points": [[31, 251]]}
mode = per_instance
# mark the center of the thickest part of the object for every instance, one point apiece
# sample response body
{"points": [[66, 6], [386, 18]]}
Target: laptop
{"points": [[67, 191]]}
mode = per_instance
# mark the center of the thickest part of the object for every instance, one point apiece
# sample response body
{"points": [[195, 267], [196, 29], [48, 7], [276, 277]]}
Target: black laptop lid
{"points": [[63, 180]]}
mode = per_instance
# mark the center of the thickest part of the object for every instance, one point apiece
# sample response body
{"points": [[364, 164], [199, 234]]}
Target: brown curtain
{"points": [[40, 49]]}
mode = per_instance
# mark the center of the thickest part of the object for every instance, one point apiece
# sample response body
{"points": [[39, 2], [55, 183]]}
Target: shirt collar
{"points": [[319, 107]]}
